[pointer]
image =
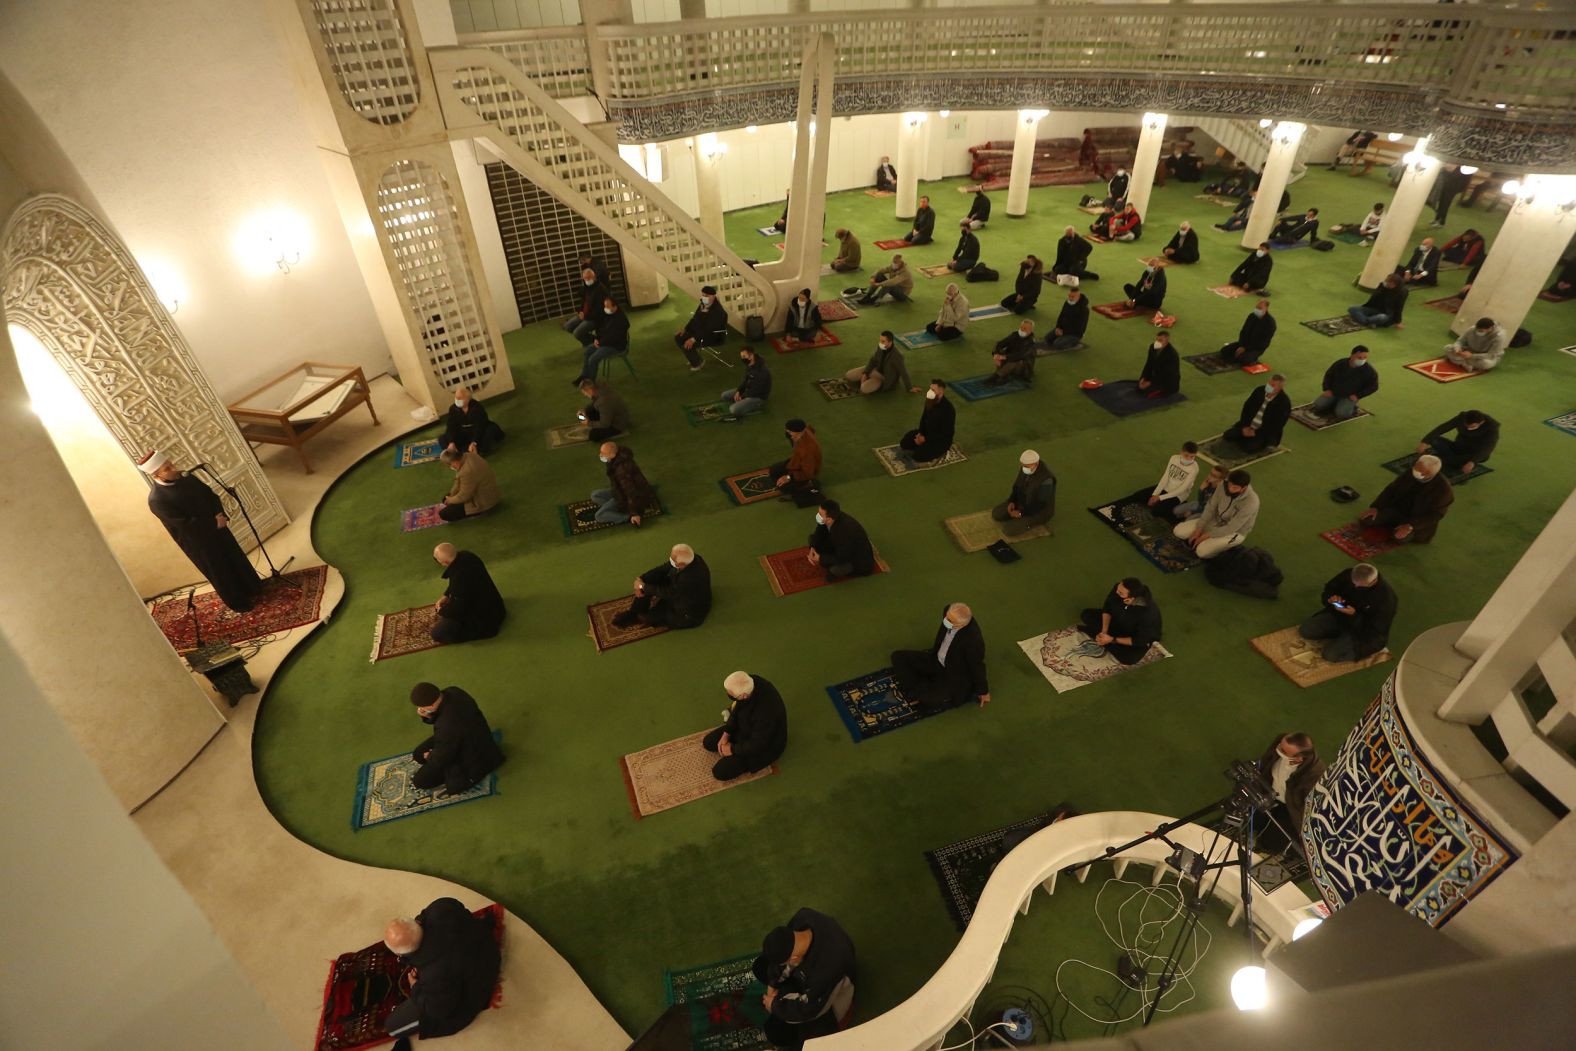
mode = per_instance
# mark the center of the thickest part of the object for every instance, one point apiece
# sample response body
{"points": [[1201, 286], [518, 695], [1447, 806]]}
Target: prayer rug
{"points": [[1363, 542], [1565, 423], [1314, 421], [837, 310], [1045, 350], [1230, 291], [880, 193], [790, 572], [722, 1002], [608, 635], [674, 773], [962, 869], [888, 246], [708, 412], [1135, 522], [1054, 654], [1277, 247], [986, 313], [1450, 304], [1351, 237], [279, 607], [750, 487], [1568, 350], [1212, 198], [420, 518], [974, 388], [423, 450], [567, 435], [1120, 311], [977, 531], [917, 340], [408, 631], [836, 388], [1160, 261], [823, 338], [1097, 239], [1271, 871], [579, 517], [1091, 209], [384, 791], [898, 461], [1255, 368], [1403, 464], [1224, 454], [872, 705], [363, 988], [938, 270], [1442, 370], [767, 231], [1123, 398], [1302, 660], [1210, 364], [1551, 297], [1334, 326]]}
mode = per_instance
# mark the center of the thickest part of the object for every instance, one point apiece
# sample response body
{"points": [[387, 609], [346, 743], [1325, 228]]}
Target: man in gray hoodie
{"points": [[1227, 520]]}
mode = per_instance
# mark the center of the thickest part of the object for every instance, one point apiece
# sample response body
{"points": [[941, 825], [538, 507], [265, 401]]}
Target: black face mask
{"points": [[430, 718]]}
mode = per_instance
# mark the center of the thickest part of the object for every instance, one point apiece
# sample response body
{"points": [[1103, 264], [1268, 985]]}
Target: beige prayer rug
{"points": [[1229, 291], [897, 460], [977, 531], [408, 631], [938, 270], [606, 634], [1053, 654], [674, 773], [1302, 660], [1222, 453], [567, 435]]}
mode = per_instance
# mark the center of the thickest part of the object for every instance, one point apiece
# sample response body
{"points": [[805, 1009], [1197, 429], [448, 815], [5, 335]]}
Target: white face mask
{"points": [[947, 624], [1259, 311], [885, 345], [1027, 470], [1259, 252], [1184, 229], [705, 301], [458, 404], [1157, 345], [820, 519], [1269, 390], [930, 395], [589, 281], [607, 310], [605, 459], [1357, 363]]}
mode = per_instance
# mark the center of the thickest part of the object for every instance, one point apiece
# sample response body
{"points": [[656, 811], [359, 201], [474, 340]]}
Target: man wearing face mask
{"points": [[1028, 286], [1423, 266], [1014, 356], [1149, 291], [1116, 189], [952, 671], [1032, 501], [1072, 257], [1162, 374], [1183, 246], [849, 251], [1126, 224], [924, 227], [755, 386], [840, 544], [953, 317], [1294, 228], [1479, 348], [471, 607], [967, 253], [1291, 768], [1412, 506], [610, 340], [1385, 306], [1227, 519], [754, 733], [582, 323], [628, 494], [1477, 433], [798, 473], [605, 414], [676, 594], [1347, 381], [1253, 273], [1258, 328], [475, 488], [707, 327], [1263, 418], [1183, 166], [804, 320], [1072, 322], [461, 750], [1354, 620], [466, 426], [933, 437], [894, 279], [886, 175], [886, 369]]}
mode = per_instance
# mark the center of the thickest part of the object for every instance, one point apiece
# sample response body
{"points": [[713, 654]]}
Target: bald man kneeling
{"points": [[471, 608], [754, 733], [452, 963], [952, 670], [676, 594]]}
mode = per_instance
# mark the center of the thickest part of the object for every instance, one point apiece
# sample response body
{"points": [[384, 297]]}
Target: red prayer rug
{"points": [[823, 338], [420, 518], [1363, 542], [1120, 311], [790, 572], [408, 631], [1450, 304], [888, 246], [1256, 368], [837, 310], [1442, 370], [279, 607]]}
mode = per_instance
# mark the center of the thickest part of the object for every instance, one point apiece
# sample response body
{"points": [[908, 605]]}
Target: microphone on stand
{"points": [[275, 573]]}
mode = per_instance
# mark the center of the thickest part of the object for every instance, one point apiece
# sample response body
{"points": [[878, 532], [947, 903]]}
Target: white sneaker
{"points": [[697, 366]]}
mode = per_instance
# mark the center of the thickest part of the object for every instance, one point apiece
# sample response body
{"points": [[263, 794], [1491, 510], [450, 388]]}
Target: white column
{"points": [[1527, 248], [1400, 216], [1284, 139], [708, 153], [910, 136], [1023, 140], [1145, 160]]}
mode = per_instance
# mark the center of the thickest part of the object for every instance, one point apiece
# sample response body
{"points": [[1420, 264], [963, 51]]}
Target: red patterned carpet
{"points": [[279, 608]]}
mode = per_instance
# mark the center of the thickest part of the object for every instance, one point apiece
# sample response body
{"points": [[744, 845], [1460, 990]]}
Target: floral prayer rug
{"points": [[1403, 464], [962, 869], [977, 531], [918, 340], [938, 270], [420, 518], [987, 312], [836, 388], [1363, 542], [674, 773], [1210, 364], [1055, 655], [898, 461], [751, 487], [1450, 304], [408, 631], [1138, 525], [384, 791], [823, 338], [363, 989], [1442, 370], [724, 1005], [1123, 398], [1302, 660], [567, 435], [790, 572], [836, 310], [975, 388], [1565, 423], [1120, 311], [872, 705], [578, 517], [1230, 291], [890, 246], [1222, 453], [1334, 326], [608, 635], [1315, 421], [423, 450], [279, 607], [707, 412]]}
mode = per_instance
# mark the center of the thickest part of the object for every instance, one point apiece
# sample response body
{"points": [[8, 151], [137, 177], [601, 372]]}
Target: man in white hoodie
{"points": [[1176, 483], [1227, 520]]}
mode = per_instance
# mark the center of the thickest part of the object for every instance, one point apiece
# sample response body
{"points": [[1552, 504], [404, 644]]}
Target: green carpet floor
{"points": [[845, 826]]}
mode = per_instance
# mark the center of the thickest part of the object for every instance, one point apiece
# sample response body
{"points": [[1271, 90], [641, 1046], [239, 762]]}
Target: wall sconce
{"points": [[1032, 117], [751, 129], [1265, 122], [1154, 121], [710, 147], [913, 120], [1288, 132], [165, 281], [1417, 160], [1394, 136], [274, 240]]}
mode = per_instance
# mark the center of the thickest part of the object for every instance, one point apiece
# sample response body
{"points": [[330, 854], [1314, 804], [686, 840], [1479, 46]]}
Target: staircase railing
{"points": [[1249, 142]]}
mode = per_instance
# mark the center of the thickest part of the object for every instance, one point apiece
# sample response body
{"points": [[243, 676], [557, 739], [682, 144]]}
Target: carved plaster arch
{"points": [[69, 280]]}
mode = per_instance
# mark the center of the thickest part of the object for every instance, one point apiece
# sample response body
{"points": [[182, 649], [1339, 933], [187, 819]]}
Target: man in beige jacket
{"points": [[475, 488]]}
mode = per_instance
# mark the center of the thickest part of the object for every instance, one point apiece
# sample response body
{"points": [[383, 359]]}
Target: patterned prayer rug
{"points": [[408, 631], [363, 989], [917, 340], [750, 487], [938, 270], [674, 773], [837, 310], [986, 313], [977, 531], [384, 791], [579, 517], [889, 246], [422, 450], [1334, 326], [567, 435], [1224, 454], [790, 572], [1314, 421], [767, 231], [962, 869], [1255, 368], [1363, 542], [823, 338], [1212, 198], [1123, 398], [1450, 304], [1210, 364], [1138, 525], [1403, 464], [880, 193], [1442, 370], [974, 388], [898, 462], [1302, 660], [279, 607], [723, 1002], [1120, 311], [608, 635], [872, 705], [707, 412], [1055, 657], [420, 518], [1230, 291], [1565, 423], [836, 388]]}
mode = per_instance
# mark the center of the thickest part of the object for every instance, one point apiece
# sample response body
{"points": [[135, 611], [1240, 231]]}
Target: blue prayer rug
{"points": [[974, 388], [917, 340], [872, 705], [423, 450], [1565, 423], [984, 313], [384, 791], [1123, 398]]}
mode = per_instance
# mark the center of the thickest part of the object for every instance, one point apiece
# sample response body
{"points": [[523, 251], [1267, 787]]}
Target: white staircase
{"points": [[1246, 141], [485, 97]]}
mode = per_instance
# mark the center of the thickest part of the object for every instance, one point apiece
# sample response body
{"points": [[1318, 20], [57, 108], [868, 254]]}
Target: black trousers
{"points": [[790, 1036], [450, 777], [1245, 356], [448, 630], [1011, 303], [921, 453], [921, 679], [1147, 300], [1124, 654], [452, 512], [727, 767], [1449, 453], [944, 331], [1234, 435]]}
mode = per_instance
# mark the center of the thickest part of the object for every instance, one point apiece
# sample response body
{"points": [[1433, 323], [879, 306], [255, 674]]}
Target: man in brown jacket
{"points": [[848, 251], [798, 473], [628, 495], [1411, 506], [475, 487]]}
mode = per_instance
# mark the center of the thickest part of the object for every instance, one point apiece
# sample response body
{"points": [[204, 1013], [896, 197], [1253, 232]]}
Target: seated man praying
{"points": [[1477, 435], [470, 607], [1262, 421], [1125, 626], [799, 472], [475, 488], [1412, 506], [1480, 347], [450, 963], [1032, 500], [676, 594], [1176, 482], [1226, 520], [754, 732], [1354, 619], [1347, 381], [840, 545], [952, 671], [932, 439]]}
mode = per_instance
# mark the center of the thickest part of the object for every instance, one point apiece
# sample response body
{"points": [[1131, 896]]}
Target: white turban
{"points": [[151, 463]]}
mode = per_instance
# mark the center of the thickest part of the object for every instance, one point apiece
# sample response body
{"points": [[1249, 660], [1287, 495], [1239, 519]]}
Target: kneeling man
{"points": [[754, 732], [471, 608], [461, 750], [451, 962]]}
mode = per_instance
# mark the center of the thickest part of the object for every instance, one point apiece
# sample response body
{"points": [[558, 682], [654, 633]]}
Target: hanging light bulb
{"points": [[1265, 122], [1305, 926], [1248, 990], [1512, 187]]}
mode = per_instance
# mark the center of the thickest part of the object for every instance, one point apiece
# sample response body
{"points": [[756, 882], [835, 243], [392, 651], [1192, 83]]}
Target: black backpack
{"points": [[1322, 246], [981, 272]]}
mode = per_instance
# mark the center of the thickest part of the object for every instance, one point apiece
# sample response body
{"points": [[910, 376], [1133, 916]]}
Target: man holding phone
{"points": [[1355, 621]]}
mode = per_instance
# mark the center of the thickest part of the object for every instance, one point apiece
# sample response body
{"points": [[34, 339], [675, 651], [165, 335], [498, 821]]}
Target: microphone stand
{"points": [[191, 611], [274, 572]]}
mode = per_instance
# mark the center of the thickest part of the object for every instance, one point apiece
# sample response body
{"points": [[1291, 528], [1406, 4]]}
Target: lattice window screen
{"points": [[365, 42], [422, 228], [543, 241]]}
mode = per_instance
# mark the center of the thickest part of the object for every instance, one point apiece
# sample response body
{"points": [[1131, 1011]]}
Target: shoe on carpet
{"points": [[697, 366]]}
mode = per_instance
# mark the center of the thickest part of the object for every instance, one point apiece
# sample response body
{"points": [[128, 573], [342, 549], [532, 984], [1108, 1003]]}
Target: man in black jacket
{"points": [[1422, 268], [610, 339], [1355, 620], [707, 327], [1291, 768], [840, 544], [1183, 246], [1294, 228], [967, 253], [1253, 273], [676, 594], [1072, 256], [1072, 322], [471, 607], [452, 963], [1162, 372], [1014, 355], [1263, 418], [755, 386], [466, 427], [1258, 328], [1347, 381], [1116, 189], [1385, 306], [886, 175], [461, 750], [588, 303], [979, 211], [1477, 433], [808, 970], [1032, 501], [937, 423], [924, 228], [1028, 285], [1149, 291], [754, 732], [952, 670]]}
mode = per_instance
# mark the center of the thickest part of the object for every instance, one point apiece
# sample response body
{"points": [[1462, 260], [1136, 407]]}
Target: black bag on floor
{"points": [[981, 272], [1085, 201], [1521, 338], [1246, 570], [754, 328], [1322, 246]]}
